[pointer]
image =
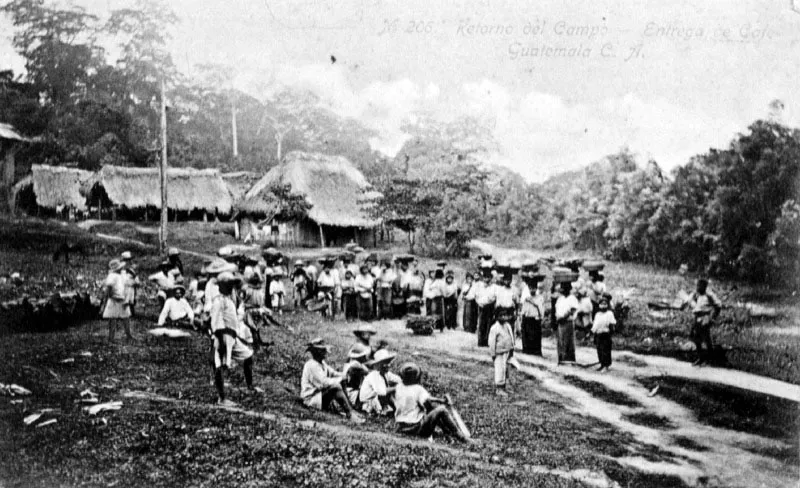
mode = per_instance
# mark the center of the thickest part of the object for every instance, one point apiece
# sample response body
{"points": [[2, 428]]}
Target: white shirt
{"points": [[603, 322], [115, 285], [375, 385], [565, 305], [364, 284], [175, 309], [532, 303], [387, 277], [223, 314], [211, 292], [163, 281], [326, 280], [486, 295], [409, 403], [276, 287], [316, 377], [504, 297]]}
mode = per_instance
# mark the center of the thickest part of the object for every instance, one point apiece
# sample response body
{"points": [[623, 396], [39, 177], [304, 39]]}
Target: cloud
{"points": [[539, 133]]}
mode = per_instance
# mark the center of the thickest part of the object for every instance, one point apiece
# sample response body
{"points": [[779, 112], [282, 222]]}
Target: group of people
{"points": [[367, 386]]}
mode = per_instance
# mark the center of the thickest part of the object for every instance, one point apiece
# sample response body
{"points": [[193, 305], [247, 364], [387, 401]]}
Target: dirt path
{"points": [[717, 456]]}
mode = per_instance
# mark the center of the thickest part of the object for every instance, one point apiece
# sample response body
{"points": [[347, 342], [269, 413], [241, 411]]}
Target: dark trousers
{"points": [[531, 336], [603, 343], [451, 312], [349, 306], [364, 306], [470, 315], [701, 334], [485, 317]]}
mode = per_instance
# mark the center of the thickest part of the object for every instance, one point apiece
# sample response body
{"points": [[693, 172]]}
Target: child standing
{"points": [[501, 346], [602, 328], [277, 292]]}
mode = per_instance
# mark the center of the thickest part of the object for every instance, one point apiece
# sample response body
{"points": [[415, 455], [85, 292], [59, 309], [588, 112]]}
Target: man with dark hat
{"points": [[706, 307], [418, 413], [321, 385]]}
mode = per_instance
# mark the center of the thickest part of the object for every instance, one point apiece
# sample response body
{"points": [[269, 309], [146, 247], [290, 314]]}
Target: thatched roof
{"points": [[187, 188], [7, 131], [331, 184], [57, 185], [239, 183]]}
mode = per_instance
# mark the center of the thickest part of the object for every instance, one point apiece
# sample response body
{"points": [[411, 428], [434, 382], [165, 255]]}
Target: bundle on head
{"points": [[421, 325]]}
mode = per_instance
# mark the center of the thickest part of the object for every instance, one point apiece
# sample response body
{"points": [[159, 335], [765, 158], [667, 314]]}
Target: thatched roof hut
{"points": [[239, 183], [188, 188], [58, 186], [331, 184]]}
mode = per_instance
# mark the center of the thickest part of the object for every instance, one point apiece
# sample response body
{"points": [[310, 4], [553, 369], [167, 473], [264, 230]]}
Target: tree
{"points": [[286, 112]]}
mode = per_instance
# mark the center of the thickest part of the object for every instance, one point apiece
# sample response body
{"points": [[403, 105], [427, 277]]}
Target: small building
{"points": [[336, 191], [135, 193], [52, 191]]}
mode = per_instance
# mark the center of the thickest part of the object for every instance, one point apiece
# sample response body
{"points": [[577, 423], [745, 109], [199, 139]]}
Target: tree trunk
{"points": [[233, 129], [162, 231], [321, 236], [279, 140], [411, 241]]}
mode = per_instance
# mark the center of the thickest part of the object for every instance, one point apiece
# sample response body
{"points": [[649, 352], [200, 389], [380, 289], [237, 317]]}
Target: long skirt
{"points": [[349, 306], [566, 341], [384, 303], [451, 312], [364, 306], [398, 307], [437, 311], [485, 317], [603, 342], [531, 336], [470, 315], [414, 307], [428, 306]]}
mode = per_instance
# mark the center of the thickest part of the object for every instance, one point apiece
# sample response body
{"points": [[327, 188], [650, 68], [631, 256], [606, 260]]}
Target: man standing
{"points": [[706, 307]]}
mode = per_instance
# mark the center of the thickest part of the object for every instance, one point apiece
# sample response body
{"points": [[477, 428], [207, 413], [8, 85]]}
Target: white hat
{"points": [[382, 356], [126, 256]]}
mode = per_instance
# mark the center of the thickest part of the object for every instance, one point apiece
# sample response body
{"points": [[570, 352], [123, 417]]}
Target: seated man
{"points": [[176, 311], [377, 390], [320, 384], [415, 413], [354, 373]]}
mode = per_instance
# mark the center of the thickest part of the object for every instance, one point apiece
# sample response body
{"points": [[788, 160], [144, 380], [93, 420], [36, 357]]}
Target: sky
{"points": [[563, 82]]}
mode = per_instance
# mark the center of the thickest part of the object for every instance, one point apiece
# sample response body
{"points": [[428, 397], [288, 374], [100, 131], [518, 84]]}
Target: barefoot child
{"points": [[602, 327], [501, 345]]}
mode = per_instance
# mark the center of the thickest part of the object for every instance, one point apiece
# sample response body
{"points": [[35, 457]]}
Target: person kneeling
{"points": [[321, 385], [416, 413], [230, 337], [377, 390]]}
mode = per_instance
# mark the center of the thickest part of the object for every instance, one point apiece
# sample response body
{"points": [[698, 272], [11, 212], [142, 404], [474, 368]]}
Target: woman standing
{"points": [[565, 311], [364, 286], [470, 320], [117, 308], [450, 298], [436, 297], [532, 314]]}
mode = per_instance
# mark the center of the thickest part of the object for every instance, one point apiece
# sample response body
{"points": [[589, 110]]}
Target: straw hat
{"points": [[126, 256], [179, 287], [318, 344], [228, 277], [365, 330], [299, 262], [358, 351], [115, 265], [220, 266], [173, 251], [382, 356]]}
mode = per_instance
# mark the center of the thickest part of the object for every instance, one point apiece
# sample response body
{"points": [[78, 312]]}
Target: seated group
{"points": [[366, 385]]}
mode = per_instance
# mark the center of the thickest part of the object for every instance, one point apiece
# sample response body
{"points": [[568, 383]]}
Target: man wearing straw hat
{"points": [[377, 390], [129, 272], [116, 308], [355, 371], [230, 336], [321, 385], [216, 267]]}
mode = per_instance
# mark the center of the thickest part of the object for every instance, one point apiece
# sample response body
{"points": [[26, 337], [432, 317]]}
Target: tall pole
{"points": [[233, 126], [162, 231]]}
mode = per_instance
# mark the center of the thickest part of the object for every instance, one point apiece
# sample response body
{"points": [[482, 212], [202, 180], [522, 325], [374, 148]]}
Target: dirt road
{"points": [[715, 456]]}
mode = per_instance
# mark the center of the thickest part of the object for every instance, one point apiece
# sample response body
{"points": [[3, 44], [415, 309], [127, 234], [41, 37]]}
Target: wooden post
{"points": [[321, 235], [114, 214], [205, 216], [162, 231], [233, 126], [99, 209]]}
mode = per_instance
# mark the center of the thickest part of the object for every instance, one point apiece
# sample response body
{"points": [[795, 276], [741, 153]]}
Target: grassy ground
{"points": [[191, 443]]}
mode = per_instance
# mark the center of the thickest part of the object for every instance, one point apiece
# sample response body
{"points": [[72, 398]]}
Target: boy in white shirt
{"points": [[277, 292], [602, 328], [321, 385], [377, 390], [501, 346], [415, 413]]}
